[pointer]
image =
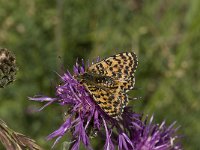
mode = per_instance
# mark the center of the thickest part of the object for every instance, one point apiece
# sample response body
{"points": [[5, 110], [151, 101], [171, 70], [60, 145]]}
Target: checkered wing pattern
{"points": [[120, 67]]}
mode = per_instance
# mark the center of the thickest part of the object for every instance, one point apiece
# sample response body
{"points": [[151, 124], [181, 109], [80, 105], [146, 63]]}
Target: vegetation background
{"points": [[48, 37]]}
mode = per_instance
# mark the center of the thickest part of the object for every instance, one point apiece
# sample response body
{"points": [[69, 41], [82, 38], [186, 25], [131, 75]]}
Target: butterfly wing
{"points": [[111, 101], [120, 67]]}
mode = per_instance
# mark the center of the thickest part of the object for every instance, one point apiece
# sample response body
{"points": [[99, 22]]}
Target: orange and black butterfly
{"points": [[109, 80]]}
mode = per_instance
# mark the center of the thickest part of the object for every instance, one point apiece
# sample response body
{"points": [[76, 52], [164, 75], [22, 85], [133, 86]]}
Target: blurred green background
{"points": [[48, 36]]}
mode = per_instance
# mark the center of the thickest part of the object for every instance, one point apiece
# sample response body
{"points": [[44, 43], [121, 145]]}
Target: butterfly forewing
{"points": [[109, 80], [120, 67]]}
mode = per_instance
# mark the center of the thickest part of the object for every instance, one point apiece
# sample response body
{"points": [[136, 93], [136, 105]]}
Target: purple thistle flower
{"points": [[155, 137], [128, 132]]}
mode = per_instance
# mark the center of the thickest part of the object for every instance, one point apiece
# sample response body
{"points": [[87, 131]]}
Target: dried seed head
{"points": [[8, 67]]}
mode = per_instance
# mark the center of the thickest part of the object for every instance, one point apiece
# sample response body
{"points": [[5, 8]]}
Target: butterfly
{"points": [[109, 80]]}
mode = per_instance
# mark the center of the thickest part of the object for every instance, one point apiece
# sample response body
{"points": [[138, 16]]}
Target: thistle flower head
{"points": [[156, 136], [86, 119]]}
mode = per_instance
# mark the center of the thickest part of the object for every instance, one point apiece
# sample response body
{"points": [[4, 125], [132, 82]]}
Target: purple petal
{"points": [[62, 130], [108, 145], [76, 145], [124, 142], [80, 131], [96, 120]]}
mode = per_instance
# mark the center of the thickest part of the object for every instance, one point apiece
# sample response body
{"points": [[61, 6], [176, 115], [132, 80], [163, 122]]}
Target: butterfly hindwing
{"points": [[111, 101]]}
